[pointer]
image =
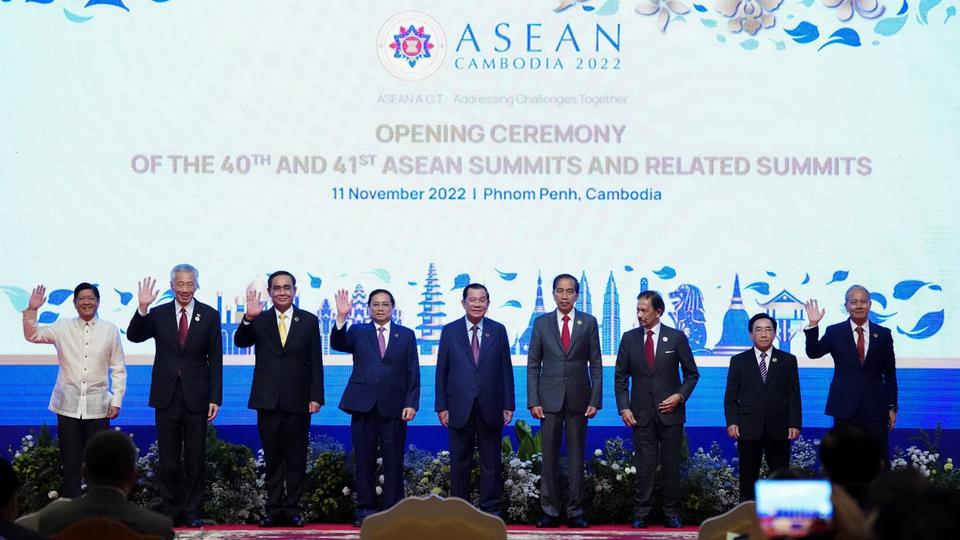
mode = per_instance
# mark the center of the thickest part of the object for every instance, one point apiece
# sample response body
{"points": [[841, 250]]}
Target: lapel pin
{"points": [[486, 335], [296, 319], [579, 321], [396, 335], [876, 335], [197, 317], [664, 340], [773, 360]]}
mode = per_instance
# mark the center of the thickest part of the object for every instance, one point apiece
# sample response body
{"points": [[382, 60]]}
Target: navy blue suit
{"points": [[862, 393], [286, 378], [376, 394], [475, 394]]}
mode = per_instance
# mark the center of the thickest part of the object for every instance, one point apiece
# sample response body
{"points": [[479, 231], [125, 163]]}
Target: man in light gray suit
{"points": [[564, 382], [654, 407]]}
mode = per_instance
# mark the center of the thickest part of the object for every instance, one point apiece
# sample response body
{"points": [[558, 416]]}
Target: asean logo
{"points": [[411, 46]]}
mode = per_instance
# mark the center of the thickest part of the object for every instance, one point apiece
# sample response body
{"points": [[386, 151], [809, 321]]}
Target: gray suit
{"points": [[106, 503], [564, 384], [657, 437]]}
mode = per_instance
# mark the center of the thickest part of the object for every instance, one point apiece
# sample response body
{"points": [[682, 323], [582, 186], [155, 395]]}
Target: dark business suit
{"points": [[104, 502], [475, 394], [858, 393], [564, 384], [286, 378], [184, 382], [763, 411], [657, 436], [376, 394]]}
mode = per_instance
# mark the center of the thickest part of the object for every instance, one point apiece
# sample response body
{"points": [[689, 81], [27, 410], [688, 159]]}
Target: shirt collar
{"points": [[757, 351], [853, 325], [470, 325], [656, 329], [572, 315], [189, 307]]}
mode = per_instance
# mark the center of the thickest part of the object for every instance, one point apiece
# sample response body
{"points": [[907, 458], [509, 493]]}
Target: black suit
{"points": [[108, 503], [286, 378], [657, 437], [763, 411], [184, 382]]}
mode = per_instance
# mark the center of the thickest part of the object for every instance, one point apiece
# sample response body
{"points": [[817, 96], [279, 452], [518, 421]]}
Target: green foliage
{"points": [[610, 483], [529, 444], [37, 464], [708, 485], [232, 492], [327, 487]]}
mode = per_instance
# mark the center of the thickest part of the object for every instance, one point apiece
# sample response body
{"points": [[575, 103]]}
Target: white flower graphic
{"points": [[868, 9], [664, 8], [749, 15]]}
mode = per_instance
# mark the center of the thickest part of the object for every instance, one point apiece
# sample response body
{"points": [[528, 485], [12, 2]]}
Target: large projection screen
{"points": [[734, 163]]}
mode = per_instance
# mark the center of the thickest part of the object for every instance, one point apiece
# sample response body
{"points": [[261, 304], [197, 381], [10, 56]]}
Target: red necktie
{"points": [[861, 345], [183, 326], [648, 350], [475, 345], [565, 335]]}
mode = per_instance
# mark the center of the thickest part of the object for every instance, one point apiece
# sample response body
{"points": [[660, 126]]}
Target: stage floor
{"points": [[514, 532]]}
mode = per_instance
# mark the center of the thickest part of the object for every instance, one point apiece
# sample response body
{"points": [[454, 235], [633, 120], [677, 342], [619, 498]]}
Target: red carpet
{"points": [[514, 532]]}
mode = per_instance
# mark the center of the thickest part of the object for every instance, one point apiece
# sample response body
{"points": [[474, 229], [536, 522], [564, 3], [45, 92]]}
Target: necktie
{"points": [[648, 350], [763, 367], [183, 327], [861, 345], [283, 330], [382, 341], [475, 345], [565, 335]]}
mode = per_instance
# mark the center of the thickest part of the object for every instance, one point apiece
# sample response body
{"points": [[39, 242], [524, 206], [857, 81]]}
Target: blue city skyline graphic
{"points": [[686, 309]]}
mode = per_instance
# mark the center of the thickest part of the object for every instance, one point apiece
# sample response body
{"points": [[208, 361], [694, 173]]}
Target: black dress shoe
{"points": [[548, 522], [639, 524], [577, 522], [296, 521], [269, 521], [672, 522]]}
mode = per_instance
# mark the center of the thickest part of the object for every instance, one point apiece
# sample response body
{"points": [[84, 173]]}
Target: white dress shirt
{"points": [[87, 353], [470, 331]]}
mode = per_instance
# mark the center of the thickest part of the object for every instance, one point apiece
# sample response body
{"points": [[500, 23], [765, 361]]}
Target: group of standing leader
{"points": [[474, 390]]}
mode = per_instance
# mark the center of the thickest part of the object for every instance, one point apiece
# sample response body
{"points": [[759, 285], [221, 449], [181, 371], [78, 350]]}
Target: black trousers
{"points": [[73, 434], [880, 428], [553, 427], [181, 431], [285, 438], [476, 433], [657, 443], [751, 454], [374, 435]]}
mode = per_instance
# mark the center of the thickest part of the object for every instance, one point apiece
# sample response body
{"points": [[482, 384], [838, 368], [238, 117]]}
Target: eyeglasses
{"points": [[381, 305]]}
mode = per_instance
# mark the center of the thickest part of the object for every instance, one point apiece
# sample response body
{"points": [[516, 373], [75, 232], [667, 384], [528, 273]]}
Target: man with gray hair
{"points": [[864, 385], [185, 387]]}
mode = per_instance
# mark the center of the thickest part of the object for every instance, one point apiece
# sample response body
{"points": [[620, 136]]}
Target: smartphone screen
{"points": [[794, 508]]}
